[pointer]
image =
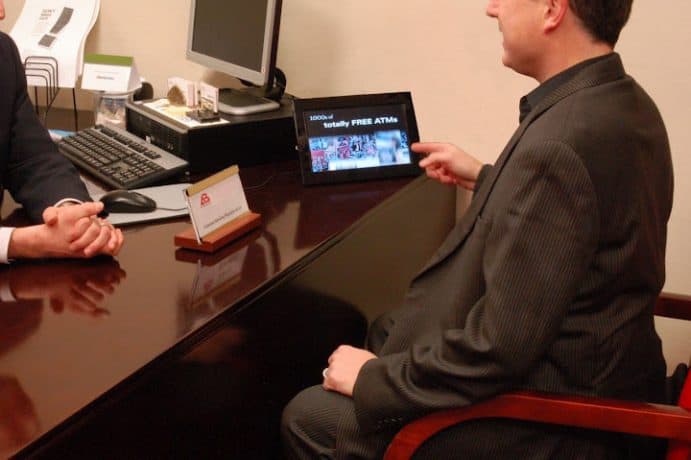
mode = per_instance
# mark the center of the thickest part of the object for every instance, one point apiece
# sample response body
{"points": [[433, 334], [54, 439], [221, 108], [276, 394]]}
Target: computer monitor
{"points": [[239, 38]]}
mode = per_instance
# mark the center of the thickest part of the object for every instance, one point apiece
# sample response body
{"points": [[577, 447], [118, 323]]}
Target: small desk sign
{"points": [[219, 211], [216, 201], [112, 74]]}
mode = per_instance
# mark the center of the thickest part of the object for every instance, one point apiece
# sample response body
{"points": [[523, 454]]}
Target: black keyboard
{"points": [[118, 158]]}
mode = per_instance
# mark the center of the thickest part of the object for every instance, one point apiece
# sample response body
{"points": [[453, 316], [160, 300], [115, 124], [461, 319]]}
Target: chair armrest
{"points": [[656, 420], [673, 306]]}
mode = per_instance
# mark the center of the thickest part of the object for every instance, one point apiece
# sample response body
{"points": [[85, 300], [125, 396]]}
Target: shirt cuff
{"points": [[6, 294], [5, 235], [68, 201]]}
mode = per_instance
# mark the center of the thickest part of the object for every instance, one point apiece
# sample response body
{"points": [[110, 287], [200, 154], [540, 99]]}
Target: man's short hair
{"points": [[604, 19]]}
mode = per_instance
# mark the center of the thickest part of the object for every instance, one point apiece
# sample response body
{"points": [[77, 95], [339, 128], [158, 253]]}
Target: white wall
{"points": [[444, 51], [656, 48]]}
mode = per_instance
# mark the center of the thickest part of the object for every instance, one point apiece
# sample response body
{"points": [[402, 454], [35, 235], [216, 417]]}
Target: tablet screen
{"points": [[357, 138], [354, 138]]}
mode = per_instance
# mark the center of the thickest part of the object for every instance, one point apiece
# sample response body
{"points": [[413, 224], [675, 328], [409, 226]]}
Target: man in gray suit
{"points": [[547, 283]]}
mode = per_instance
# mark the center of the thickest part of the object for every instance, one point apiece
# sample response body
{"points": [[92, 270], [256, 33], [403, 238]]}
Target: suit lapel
{"points": [[597, 74]]}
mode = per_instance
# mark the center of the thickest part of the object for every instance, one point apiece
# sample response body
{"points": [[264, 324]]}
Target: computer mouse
{"points": [[117, 201]]}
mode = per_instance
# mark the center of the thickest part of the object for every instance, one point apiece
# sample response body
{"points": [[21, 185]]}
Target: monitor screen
{"points": [[236, 37], [356, 138]]}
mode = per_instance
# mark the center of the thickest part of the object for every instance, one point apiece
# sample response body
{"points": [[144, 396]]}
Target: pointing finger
{"points": [[428, 147]]}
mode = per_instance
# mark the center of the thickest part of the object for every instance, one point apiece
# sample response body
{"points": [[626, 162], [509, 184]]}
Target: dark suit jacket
{"points": [[549, 280], [31, 167]]}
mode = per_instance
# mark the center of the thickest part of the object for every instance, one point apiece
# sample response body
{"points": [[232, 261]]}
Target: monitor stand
{"points": [[241, 102]]}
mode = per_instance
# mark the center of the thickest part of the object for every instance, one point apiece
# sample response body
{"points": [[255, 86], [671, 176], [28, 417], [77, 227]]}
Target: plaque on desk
{"points": [[219, 211]]}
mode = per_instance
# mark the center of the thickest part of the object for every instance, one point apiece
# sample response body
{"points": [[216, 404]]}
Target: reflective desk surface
{"points": [[162, 351]]}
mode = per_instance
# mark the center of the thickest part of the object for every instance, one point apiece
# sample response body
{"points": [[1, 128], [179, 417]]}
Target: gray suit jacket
{"points": [[549, 280]]}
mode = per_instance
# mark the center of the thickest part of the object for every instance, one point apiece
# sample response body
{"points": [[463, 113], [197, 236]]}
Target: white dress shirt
{"points": [[5, 235]]}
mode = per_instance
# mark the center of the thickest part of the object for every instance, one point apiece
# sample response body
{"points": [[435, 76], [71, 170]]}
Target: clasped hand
{"points": [[68, 232]]}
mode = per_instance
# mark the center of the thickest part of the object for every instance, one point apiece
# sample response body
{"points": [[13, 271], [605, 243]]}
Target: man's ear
{"points": [[555, 11]]}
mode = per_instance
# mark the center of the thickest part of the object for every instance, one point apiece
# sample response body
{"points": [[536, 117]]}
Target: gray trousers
{"points": [[320, 424]]}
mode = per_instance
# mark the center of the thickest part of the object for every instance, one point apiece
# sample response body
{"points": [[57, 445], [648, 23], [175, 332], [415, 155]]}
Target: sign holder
{"points": [[221, 237], [219, 212], [111, 74]]}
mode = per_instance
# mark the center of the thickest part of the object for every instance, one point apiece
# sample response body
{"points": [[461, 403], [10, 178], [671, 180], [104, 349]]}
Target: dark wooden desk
{"points": [[195, 355]]}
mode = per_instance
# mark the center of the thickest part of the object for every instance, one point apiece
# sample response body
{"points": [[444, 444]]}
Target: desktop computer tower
{"points": [[209, 147]]}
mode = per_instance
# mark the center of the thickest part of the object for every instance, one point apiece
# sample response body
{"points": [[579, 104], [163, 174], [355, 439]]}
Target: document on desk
{"points": [[54, 29], [179, 113]]}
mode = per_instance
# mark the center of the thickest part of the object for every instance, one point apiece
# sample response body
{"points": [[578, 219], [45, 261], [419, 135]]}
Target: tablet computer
{"points": [[353, 138]]}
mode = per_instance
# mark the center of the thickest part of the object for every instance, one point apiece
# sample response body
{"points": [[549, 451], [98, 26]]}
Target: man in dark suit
{"points": [[547, 282], [42, 180]]}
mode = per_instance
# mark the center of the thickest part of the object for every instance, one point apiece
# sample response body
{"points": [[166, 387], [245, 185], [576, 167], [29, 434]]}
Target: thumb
{"points": [[50, 215], [86, 209]]}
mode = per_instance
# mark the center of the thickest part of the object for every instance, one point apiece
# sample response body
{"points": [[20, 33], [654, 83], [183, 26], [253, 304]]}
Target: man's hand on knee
{"points": [[344, 366]]}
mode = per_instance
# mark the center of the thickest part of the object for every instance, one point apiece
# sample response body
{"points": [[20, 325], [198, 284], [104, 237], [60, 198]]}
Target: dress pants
{"points": [[316, 420], [320, 424]]}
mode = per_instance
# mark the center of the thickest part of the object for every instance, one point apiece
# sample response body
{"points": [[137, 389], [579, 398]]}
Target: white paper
{"points": [[111, 78], [208, 96], [57, 29], [217, 205], [179, 113]]}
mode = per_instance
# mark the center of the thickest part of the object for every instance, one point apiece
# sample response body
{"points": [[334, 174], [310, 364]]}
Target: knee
{"points": [[292, 415], [296, 420], [308, 424]]}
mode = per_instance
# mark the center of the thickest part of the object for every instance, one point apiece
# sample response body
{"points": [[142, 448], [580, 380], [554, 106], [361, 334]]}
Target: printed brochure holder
{"points": [[43, 71]]}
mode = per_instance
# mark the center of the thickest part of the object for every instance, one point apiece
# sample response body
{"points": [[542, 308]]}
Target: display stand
{"points": [[45, 68], [220, 237], [211, 259]]}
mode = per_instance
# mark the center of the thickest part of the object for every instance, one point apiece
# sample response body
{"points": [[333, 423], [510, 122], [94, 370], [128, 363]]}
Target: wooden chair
{"points": [[656, 420]]}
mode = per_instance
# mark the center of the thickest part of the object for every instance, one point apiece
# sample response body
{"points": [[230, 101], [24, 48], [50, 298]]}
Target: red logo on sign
{"points": [[205, 200]]}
